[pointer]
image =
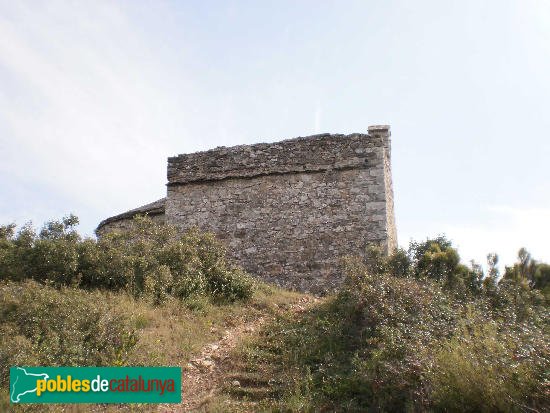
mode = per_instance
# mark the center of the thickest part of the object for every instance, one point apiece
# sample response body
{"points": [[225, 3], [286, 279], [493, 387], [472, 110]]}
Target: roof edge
{"points": [[154, 208]]}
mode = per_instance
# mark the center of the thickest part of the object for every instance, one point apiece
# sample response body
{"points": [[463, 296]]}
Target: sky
{"points": [[94, 96]]}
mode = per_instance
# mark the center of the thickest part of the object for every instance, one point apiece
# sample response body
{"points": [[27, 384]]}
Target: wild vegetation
{"points": [[148, 260], [41, 325], [149, 296], [65, 300], [416, 331]]}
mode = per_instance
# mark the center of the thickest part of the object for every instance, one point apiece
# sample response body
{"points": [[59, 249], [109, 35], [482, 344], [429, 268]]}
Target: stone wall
{"points": [[289, 211], [122, 222]]}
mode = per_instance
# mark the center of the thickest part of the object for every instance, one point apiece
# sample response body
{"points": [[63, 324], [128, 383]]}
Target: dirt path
{"points": [[204, 375]]}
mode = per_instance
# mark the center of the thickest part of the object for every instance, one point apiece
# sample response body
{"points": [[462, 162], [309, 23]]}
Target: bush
{"points": [[479, 370], [415, 341], [41, 325], [436, 339], [148, 259], [157, 284]]}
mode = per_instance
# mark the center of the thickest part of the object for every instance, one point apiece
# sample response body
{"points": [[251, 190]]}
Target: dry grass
{"points": [[173, 333]]}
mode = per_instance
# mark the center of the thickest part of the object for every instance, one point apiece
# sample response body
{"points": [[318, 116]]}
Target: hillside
{"points": [[415, 331]]}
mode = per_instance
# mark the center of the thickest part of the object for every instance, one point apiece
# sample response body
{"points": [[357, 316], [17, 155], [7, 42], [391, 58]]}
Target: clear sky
{"points": [[94, 96]]}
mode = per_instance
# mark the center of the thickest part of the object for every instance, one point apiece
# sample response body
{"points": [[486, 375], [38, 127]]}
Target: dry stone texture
{"points": [[287, 211]]}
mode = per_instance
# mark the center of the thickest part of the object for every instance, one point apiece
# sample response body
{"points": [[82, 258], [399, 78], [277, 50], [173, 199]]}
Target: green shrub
{"points": [[157, 284], [41, 325], [413, 343], [529, 272], [480, 370], [148, 258]]}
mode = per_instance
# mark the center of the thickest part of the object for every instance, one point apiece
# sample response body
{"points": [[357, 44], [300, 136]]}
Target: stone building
{"points": [[287, 211]]}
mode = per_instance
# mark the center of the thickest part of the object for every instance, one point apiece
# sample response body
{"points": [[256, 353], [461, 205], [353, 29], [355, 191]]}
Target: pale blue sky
{"points": [[94, 96]]}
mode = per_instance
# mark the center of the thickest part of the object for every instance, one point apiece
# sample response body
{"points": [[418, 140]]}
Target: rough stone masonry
{"points": [[287, 211]]}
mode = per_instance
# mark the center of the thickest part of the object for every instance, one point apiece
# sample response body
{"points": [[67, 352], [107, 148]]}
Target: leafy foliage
{"points": [[415, 331], [530, 273], [149, 259]]}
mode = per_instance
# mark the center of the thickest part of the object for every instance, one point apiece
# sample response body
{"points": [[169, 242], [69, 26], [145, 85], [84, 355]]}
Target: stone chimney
{"points": [[383, 132]]}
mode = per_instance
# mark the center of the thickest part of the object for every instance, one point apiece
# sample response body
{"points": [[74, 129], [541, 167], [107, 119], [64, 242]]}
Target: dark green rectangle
{"points": [[104, 385]]}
